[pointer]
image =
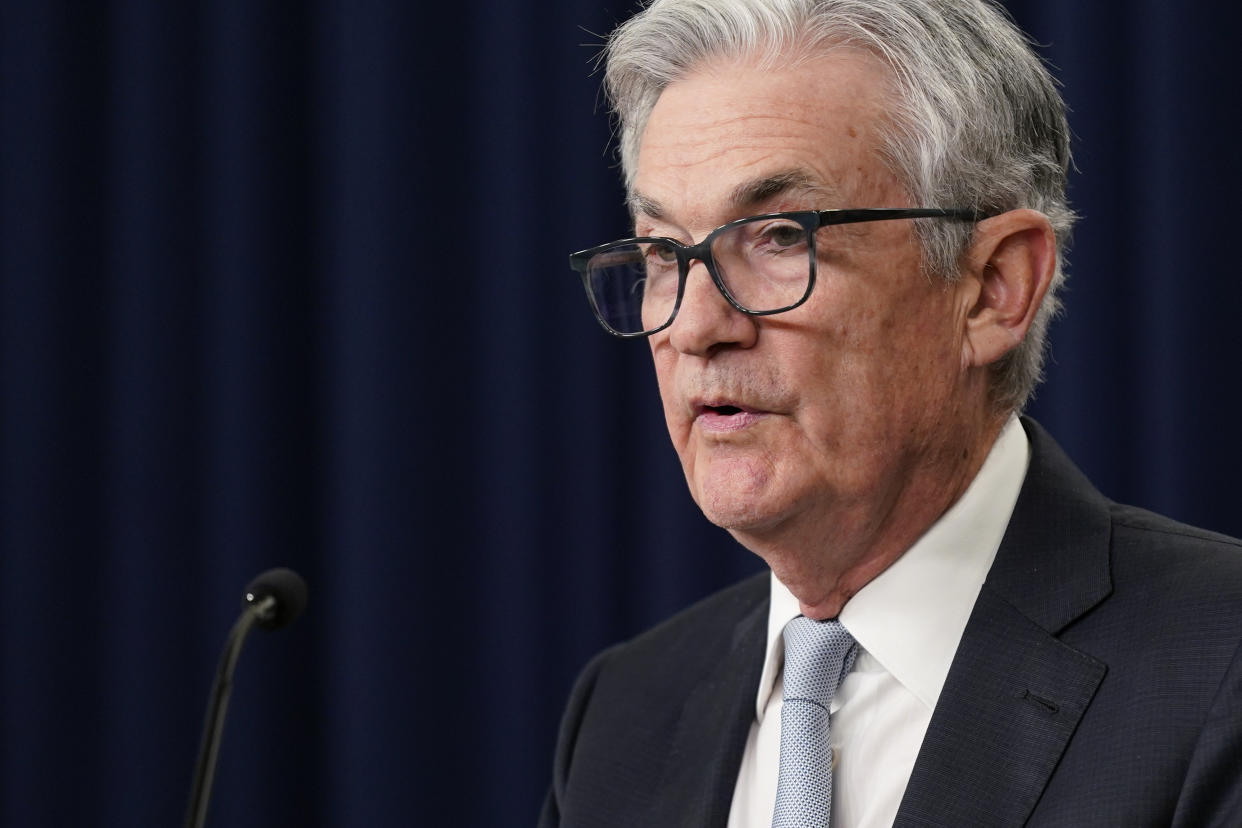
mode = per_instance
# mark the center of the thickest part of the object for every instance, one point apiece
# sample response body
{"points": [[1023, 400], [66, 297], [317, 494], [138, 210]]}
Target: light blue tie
{"points": [[818, 654]]}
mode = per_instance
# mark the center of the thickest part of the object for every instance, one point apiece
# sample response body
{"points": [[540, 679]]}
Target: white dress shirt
{"points": [[908, 622]]}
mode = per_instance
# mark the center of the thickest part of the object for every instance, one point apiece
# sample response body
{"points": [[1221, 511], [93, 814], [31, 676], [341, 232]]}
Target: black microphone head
{"points": [[289, 591]]}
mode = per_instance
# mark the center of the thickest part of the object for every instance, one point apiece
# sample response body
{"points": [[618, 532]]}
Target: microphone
{"points": [[272, 600]]}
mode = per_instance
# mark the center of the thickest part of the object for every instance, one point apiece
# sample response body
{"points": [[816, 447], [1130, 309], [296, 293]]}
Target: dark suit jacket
{"points": [[1098, 682]]}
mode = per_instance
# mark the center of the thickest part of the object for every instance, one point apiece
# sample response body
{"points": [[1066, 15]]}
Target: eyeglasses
{"points": [[762, 265]]}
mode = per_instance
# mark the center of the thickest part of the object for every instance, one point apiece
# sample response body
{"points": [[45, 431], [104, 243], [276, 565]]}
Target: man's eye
{"points": [[784, 235], [661, 254]]}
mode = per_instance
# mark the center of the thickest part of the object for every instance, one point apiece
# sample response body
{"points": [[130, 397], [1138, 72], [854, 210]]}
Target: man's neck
{"points": [[825, 556]]}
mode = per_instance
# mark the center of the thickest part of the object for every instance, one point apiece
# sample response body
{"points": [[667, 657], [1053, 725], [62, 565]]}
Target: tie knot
{"points": [[818, 654]]}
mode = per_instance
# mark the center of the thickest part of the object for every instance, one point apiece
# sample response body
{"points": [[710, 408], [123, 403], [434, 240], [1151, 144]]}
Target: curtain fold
{"points": [[285, 283]]}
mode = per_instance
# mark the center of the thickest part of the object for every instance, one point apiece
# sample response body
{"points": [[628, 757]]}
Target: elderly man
{"points": [[848, 221]]}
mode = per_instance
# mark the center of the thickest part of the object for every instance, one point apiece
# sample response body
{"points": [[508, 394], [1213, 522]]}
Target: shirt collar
{"points": [[911, 617]]}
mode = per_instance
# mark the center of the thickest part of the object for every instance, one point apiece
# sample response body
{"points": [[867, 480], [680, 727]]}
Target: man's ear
{"points": [[1011, 263]]}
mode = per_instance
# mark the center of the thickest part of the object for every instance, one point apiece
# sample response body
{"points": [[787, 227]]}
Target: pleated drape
{"points": [[285, 283]]}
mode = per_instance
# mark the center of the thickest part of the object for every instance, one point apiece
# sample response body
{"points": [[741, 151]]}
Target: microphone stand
{"points": [[213, 727]]}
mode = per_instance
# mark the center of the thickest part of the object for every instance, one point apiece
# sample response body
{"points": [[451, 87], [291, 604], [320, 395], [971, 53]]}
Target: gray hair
{"points": [[976, 121]]}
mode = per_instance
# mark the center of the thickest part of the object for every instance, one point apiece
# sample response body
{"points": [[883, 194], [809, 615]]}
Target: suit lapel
{"points": [[1011, 703], [701, 770], [1015, 693]]}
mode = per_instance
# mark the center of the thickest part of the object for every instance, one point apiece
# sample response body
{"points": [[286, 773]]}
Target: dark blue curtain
{"points": [[284, 283]]}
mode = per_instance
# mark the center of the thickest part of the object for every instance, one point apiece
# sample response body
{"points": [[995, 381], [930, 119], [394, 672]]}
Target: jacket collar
{"points": [[1053, 564], [1015, 693]]}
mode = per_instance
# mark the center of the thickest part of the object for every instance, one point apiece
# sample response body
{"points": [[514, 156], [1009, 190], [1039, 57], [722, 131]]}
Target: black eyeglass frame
{"points": [[810, 220]]}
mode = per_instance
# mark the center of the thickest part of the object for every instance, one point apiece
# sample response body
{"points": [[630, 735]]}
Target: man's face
{"points": [[814, 419]]}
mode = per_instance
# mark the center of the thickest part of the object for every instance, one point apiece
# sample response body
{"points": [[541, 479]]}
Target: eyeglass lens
{"points": [[764, 265]]}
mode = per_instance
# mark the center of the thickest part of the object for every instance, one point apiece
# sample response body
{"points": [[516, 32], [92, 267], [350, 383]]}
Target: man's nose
{"points": [[706, 321]]}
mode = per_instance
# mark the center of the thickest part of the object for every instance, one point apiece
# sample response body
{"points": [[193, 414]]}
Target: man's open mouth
{"points": [[725, 417]]}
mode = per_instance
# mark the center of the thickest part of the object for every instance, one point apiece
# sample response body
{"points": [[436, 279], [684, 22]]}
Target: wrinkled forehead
{"points": [[740, 134]]}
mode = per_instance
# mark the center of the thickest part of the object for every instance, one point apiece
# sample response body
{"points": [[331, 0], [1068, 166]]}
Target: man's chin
{"points": [[741, 514], [725, 483]]}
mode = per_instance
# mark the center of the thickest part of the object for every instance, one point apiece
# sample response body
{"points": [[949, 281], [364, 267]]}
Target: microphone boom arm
{"points": [[260, 610]]}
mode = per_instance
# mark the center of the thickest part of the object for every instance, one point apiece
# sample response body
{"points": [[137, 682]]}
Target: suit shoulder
{"points": [[690, 642], [1164, 548], [1139, 523], [695, 625], [1180, 571]]}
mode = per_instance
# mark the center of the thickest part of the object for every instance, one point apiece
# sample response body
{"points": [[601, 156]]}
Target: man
{"points": [[849, 218]]}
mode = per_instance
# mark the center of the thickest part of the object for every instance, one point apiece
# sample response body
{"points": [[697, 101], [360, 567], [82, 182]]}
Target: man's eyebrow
{"points": [[797, 181], [747, 194], [640, 204]]}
